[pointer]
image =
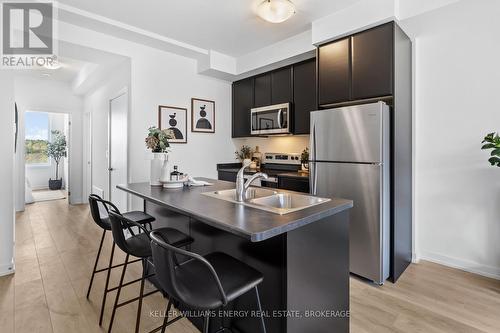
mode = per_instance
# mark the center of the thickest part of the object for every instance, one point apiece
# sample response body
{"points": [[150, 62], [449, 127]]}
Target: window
{"points": [[37, 137]]}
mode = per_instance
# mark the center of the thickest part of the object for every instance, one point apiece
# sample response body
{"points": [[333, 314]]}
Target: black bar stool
{"points": [[202, 283], [138, 245], [142, 218]]}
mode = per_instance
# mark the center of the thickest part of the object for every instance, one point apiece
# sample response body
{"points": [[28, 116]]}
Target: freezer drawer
{"points": [[350, 134], [369, 219]]}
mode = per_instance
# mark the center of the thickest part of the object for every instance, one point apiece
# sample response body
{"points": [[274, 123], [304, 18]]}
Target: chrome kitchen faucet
{"points": [[242, 186]]}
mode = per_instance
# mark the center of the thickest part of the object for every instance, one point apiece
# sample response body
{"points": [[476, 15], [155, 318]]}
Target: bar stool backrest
{"points": [[118, 224], [167, 270], [97, 206]]}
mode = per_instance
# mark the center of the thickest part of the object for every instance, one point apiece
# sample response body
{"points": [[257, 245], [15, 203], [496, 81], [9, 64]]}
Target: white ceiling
{"points": [[66, 73], [227, 26]]}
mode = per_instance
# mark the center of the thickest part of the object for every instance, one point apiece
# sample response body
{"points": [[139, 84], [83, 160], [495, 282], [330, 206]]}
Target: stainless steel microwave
{"points": [[274, 119]]}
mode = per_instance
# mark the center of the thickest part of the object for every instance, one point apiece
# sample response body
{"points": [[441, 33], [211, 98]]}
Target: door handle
{"points": [[110, 169], [312, 165]]}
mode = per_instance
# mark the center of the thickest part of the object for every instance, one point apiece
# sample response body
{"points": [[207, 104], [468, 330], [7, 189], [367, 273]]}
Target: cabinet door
{"points": [[262, 90], [281, 86], [334, 72], [293, 184], [227, 176], [242, 103], [372, 62], [304, 95]]}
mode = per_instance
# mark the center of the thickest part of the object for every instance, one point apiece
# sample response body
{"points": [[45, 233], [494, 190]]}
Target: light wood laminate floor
{"points": [[56, 245]]}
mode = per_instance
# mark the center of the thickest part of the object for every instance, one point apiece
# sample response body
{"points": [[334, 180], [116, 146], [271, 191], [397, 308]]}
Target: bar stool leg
{"points": [[263, 325], [105, 294], [118, 293], [141, 294], [206, 322], [96, 262], [165, 320]]}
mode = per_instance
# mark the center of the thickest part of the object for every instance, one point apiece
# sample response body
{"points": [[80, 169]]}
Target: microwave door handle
{"points": [[279, 117]]}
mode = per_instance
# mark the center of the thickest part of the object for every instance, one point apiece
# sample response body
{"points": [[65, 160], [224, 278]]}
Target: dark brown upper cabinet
{"points": [[295, 84], [262, 94], [357, 67], [281, 86], [372, 62], [304, 93], [242, 103], [334, 72]]}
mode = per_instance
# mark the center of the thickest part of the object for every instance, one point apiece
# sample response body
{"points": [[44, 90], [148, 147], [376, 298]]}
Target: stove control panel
{"points": [[282, 158]]}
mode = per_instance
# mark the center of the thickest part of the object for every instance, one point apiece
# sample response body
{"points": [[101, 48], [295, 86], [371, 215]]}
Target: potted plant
{"points": [[304, 159], [56, 150], [492, 142], [157, 142], [244, 154]]}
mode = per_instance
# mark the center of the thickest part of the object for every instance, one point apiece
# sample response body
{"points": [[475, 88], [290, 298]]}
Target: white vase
{"points": [[165, 171], [156, 168]]}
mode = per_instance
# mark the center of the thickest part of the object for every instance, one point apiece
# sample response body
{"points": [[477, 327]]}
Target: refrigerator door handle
{"points": [[312, 148], [312, 167], [313, 178]]}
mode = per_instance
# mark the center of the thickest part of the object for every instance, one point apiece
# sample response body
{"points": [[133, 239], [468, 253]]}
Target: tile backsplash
{"points": [[276, 144]]}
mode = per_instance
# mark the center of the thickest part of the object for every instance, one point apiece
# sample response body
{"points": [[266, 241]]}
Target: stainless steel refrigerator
{"points": [[349, 158]]}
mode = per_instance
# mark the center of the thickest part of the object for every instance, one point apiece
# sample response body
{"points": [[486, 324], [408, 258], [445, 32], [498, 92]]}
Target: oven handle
{"points": [[268, 180], [280, 112]]}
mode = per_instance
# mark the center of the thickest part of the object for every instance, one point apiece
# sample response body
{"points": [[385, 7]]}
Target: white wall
{"points": [[158, 78], [168, 79], [39, 175], [6, 173], [55, 97], [457, 83], [97, 104]]}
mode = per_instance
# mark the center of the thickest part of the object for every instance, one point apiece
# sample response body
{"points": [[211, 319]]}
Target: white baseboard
{"points": [[7, 269], [465, 265], [44, 187], [39, 187], [414, 258]]}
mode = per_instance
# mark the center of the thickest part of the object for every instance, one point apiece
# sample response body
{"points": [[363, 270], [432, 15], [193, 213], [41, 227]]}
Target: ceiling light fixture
{"points": [[53, 65], [276, 11]]}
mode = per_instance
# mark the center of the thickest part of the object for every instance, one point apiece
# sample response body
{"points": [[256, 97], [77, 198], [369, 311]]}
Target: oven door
{"points": [[274, 119]]}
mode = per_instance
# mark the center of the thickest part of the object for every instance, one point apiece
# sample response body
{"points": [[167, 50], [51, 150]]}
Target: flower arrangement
{"points": [[304, 157], [157, 140], [492, 141], [244, 153]]}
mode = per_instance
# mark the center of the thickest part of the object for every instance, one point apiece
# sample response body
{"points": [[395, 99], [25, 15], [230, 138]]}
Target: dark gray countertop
{"points": [[254, 224]]}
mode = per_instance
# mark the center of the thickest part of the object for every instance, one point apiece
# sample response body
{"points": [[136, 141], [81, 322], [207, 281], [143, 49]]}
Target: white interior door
{"points": [[87, 151], [117, 149], [66, 161]]}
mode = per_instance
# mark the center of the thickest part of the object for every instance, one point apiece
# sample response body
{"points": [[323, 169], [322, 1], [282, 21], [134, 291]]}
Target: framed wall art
{"points": [[202, 115], [174, 119]]}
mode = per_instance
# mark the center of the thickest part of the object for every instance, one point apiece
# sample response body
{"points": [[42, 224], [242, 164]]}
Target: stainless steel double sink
{"points": [[274, 201]]}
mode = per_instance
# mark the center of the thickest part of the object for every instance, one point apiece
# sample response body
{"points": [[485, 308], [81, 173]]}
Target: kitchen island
{"points": [[303, 255]]}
